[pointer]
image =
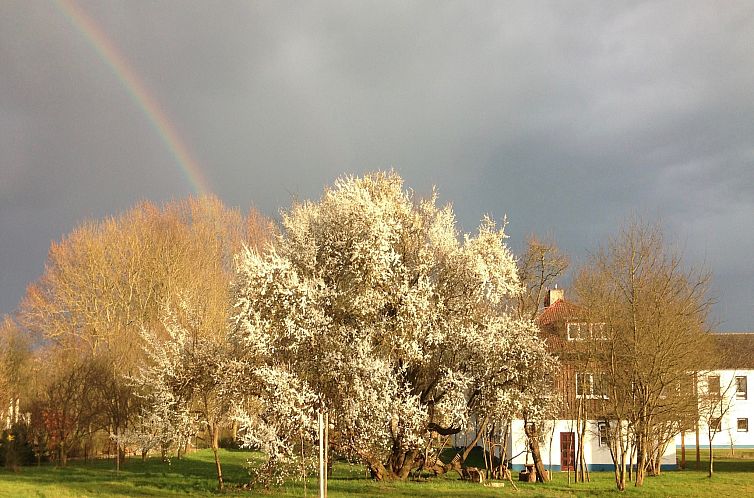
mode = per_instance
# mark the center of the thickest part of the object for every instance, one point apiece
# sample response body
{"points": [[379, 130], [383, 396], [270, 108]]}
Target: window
{"points": [[602, 429], [583, 385], [715, 423], [581, 331], [713, 385], [741, 391], [599, 386], [598, 331], [590, 385], [742, 425], [577, 331]]}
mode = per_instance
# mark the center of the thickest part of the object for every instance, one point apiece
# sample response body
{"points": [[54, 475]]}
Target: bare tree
{"points": [[15, 357], [539, 267], [68, 405], [655, 312], [107, 280], [716, 400]]}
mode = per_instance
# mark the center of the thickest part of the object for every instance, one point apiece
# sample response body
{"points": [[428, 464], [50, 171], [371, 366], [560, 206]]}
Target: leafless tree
{"points": [[539, 267], [655, 314], [15, 356], [107, 280]]}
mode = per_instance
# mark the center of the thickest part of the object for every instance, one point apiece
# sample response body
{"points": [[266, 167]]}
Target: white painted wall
{"points": [[597, 455], [739, 409]]}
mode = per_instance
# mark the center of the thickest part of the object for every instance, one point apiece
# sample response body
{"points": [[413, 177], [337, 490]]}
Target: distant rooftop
{"points": [[737, 349], [559, 311]]}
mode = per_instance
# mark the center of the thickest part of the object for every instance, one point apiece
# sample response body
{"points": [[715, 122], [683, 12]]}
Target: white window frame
{"points": [[601, 378], [585, 331], [738, 427], [581, 376], [581, 329], [591, 394], [603, 432], [745, 393], [709, 384], [593, 328]]}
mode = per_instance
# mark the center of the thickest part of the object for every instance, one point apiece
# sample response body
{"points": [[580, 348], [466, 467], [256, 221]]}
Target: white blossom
{"points": [[370, 305]]}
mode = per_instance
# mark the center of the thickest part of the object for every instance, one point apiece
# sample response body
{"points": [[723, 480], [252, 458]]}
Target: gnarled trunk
{"points": [[532, 434]]}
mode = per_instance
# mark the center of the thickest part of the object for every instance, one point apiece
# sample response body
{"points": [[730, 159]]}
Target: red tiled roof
{"points": [[555, 343], [559, 311]]}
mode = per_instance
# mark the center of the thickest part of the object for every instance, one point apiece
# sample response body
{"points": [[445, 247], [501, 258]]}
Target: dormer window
{"points": [[577, 331], [598, 331], [580, 331]]}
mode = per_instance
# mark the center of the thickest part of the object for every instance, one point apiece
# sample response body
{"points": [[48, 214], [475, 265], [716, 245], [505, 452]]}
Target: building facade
{"points": [[584, 416], [726, 407]]}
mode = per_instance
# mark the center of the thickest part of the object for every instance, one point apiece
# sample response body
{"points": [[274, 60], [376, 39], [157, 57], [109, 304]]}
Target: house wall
{"points": [[597, 455], [729, 435]]}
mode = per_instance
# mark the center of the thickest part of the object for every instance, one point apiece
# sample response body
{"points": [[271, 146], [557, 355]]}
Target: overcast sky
{"points": [[568, 117]]}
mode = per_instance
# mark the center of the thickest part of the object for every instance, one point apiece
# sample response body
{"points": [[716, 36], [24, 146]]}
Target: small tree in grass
{"points": [[187, 383], [715, 402]]}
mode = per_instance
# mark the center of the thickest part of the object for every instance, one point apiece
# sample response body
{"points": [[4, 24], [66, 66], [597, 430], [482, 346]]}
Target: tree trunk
{"points": [[456, 464], [619, 472], [616, 453], [532, 434], [581, 470], [641, 458], [710, 467], [407, 465], [215, 436], [377, 471], [632, 450], [62, 454], [117, 448]]}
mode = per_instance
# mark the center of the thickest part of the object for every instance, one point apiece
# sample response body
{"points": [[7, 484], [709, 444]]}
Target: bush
{"points": [[15, 447]]}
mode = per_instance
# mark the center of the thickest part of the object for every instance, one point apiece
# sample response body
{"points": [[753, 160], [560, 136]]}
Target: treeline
{"points": [[190, 322], [70, 354], [185, 323]]}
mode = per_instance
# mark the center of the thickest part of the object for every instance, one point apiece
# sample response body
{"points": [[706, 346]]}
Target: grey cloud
{"points": [[568, 117]]}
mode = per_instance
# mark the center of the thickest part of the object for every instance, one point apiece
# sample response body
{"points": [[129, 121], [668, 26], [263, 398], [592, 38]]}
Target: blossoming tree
{"points": [[389, 320]]}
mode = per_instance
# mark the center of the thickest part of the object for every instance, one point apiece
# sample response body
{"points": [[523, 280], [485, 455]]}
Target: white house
{"points": [[563, 326], [558, 449], [725, 403]]}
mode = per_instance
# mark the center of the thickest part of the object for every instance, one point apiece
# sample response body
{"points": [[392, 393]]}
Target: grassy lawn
{"points": [[193, 476]]}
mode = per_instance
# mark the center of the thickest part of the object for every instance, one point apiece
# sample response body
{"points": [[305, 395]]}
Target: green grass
{"points": [[193, 476]]}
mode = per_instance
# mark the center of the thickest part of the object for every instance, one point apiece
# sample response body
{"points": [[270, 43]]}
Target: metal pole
{"points": [[696, 423], [327, 448], [321, 456]]}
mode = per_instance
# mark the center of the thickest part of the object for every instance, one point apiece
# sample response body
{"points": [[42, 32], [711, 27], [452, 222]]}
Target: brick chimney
{"points": [[553, 295]]}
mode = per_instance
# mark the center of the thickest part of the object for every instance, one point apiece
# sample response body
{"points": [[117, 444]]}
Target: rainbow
{"points": [[138, 93]]}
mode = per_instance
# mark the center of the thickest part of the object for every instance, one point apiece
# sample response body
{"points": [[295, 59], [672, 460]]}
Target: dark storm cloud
{"points": [[569, 117]]}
